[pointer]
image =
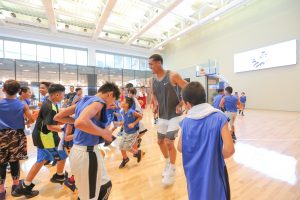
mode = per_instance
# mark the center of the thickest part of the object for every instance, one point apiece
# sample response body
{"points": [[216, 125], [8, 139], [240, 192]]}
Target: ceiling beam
{"points": [[152, 22], [103, 18], [48, 4], [220, 12]]}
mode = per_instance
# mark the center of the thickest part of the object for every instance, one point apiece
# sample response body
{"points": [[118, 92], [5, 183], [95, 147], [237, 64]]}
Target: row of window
{"points": [[44, 53], [120, 61], [54, 54]]}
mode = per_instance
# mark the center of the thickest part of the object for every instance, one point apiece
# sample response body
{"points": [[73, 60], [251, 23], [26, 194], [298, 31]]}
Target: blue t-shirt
{"points": [[44, 98], [217, 101], [243, 99], [85, 139], [128, 119], [11, 114], [230, 103], [203, 161]]}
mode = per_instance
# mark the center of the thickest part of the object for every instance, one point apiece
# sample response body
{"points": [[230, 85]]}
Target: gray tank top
{"points": [[167, 96]]}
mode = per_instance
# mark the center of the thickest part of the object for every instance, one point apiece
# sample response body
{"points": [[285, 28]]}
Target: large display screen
{"points": [[276, 55]]}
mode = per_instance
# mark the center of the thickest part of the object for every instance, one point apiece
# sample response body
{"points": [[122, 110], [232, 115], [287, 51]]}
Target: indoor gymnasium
{"points": [[149, 99]]}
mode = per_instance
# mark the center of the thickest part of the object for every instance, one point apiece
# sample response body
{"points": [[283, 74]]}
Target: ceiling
{"points": [[143, 23]]}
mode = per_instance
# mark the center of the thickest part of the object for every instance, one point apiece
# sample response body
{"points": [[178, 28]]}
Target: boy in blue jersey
{"points": [[218, 98], [12, 137], [205, 142], [243, 100], [91, 128], [131, 127], [45, 137], [230, 103]]}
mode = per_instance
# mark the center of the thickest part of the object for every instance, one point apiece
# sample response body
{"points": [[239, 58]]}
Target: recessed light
{"points": [[66, 26], [106, 34], [85, 30], [38, 20], [13, 15]]}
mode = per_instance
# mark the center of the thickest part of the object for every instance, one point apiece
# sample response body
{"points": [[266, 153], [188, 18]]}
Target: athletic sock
{"points": [[59, 174], [27, 183]]}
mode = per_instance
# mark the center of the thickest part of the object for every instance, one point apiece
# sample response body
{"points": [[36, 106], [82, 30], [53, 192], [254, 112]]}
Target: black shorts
{"points": [[12, 145]]}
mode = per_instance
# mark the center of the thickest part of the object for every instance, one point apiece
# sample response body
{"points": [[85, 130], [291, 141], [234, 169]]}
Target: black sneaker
{"points": [[108, 143], [139, 142], [48, 162], [58, 178], [124, 162], [13, 187], [25, 190], [138, 155]]}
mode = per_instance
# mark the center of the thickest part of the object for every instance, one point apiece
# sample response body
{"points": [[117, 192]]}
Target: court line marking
{"points": [[271, 140]]}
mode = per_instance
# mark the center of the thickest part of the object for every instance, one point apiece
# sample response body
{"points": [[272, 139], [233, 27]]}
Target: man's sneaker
{"points": [[169, 178], [58, 178], [13, 187], [124, 162], [138, 155], [120, 133], [70, 184], [3, 195], [24, 158], [108, 143], [25, 190], [166, 168]]}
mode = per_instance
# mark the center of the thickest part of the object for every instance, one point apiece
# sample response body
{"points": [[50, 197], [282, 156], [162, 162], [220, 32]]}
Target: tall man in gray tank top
{"points": [[165, 87]]}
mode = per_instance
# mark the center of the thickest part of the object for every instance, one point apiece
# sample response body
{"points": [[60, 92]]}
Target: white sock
{"points": [[168, 160], [60, 174], [172, 166], [27, 183]]}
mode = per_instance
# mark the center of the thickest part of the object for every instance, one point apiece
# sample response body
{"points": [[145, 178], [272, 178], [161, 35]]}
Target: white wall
{"points": [[262, 23], [73, 41]]}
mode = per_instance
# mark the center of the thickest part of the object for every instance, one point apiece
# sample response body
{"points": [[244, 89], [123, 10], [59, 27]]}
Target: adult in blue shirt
{"points": [[90, 129], [205, 143], [218, 98]]}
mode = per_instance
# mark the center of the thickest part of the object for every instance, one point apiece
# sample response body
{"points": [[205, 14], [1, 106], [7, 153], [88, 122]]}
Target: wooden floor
{"points": [[264, 167]]}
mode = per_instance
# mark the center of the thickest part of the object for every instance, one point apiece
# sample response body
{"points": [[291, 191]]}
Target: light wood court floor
{"points": [[264, 167]]}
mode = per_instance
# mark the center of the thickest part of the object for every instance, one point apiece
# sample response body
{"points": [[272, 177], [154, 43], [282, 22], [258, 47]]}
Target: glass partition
{"points": [[7, 69], [68, 74], [49, 71]]}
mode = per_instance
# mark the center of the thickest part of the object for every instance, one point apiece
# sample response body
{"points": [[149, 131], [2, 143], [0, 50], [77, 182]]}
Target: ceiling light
{"points": [[137, 41], [121, 37], [217, 18], [85, 30], [38, 20], [66, 26], [106, 34], [13, 15], [178, 38]]}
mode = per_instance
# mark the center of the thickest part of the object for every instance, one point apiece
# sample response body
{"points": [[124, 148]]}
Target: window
{"points": [[127, 62], [81, 57], [57, 55], [100, 59], [7, 69], [109, 60], [118, 61], [43, 53], [135, 63], [28, 51], [143, 64], [12, 49], [27, 71], [70, 56], [49, 72], [68, 74], [1, 49]]}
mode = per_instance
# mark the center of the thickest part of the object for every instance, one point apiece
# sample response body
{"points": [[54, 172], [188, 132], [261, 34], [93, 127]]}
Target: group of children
{"points": [[50, 148]]}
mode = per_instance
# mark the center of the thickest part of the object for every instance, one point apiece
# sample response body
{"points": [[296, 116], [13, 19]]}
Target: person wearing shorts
{"points": [[229, 103], [243, 100], [12, 137], [130, 135], [166, 99], [45, 138]]}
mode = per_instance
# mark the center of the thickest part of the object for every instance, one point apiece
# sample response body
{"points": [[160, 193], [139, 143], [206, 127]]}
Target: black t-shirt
{"points": [[70, 96], [41, 136]]}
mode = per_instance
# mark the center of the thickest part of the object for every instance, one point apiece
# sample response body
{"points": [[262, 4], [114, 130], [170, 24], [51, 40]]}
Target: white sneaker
{"points": [[166, 169], [169, 178]]}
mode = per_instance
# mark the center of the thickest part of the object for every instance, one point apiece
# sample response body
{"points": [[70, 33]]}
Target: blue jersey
{"points": [[203, 161], [128, 119], [217, 101], [243, 99], [11, 114], [85, 139], [230, 103]]}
